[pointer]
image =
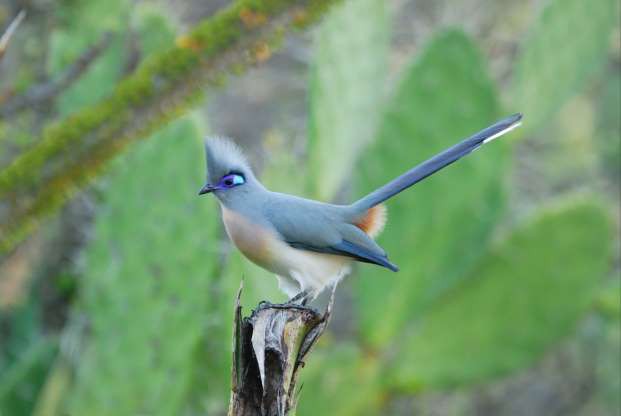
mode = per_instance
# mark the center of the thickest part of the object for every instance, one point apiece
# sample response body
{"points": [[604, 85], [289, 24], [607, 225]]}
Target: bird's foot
{"points": [[283, 306], [299, 301]]}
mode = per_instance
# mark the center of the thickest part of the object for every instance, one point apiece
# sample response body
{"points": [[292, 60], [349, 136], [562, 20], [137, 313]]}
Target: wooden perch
{"points": [[269, 347]]}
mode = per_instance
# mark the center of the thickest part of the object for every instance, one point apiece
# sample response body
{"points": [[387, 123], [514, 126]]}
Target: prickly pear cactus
{"points": [[527, 292], [464, 309], [146, 318], [549, 69], [443, 223], [346, 91]]}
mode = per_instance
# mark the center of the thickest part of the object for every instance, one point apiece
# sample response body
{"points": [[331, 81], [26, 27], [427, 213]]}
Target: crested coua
{"points": [[308, 244]]}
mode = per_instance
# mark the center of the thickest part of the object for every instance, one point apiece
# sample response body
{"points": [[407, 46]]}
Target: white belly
{"points": [[297, 269]]}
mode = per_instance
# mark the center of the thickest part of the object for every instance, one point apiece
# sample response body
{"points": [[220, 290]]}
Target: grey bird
{"points": [[308, 244]]}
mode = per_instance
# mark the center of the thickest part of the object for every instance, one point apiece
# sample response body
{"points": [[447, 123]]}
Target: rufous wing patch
{"points": [[373, 221]]}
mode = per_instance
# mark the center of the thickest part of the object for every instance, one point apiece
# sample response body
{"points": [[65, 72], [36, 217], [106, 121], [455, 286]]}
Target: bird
{"points": [[310, 245]]}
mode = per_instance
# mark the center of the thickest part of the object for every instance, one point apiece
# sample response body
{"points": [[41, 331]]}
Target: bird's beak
{"points": [[207, 189]]}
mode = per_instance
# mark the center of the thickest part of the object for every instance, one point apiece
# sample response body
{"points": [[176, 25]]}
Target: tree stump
{"points": [[269, 347]]}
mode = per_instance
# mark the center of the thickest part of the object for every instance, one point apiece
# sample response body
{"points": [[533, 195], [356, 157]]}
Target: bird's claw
{"points": [[299, 301]]}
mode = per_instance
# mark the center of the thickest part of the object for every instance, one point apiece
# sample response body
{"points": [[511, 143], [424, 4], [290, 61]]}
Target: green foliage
{"points": [[609, 362], [153, 29], [25, 324], [146, 284], [608, 126], [526, 294], [21, 383], [340, 380], [25, 357], [161, 89], [444, 222], [84, 25], [158, 285], [345, 91], [89, 18], [569, 41], [284, 169]]}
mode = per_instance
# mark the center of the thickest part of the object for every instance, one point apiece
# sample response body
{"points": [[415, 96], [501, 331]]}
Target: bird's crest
{"points": [[223, 157]]}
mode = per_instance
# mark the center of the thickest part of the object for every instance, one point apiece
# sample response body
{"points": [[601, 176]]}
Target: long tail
{"points": [[437, 162]]}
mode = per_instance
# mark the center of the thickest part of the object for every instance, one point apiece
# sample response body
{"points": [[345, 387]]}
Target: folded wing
{"points": [[322, 228]]}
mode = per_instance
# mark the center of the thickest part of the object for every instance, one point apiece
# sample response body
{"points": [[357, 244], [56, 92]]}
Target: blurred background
{"points": [[117, 283]]}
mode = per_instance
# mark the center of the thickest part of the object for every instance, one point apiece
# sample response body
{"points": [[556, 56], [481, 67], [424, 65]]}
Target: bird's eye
{"points": [[232, 179]]}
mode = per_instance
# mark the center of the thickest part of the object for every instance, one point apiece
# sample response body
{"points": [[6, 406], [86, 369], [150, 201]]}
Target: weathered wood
{"points": [[269, 347]]}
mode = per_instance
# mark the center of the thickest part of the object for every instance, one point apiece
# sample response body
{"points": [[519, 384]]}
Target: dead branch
{"points": [[269, 348], [8, 33], [48, 90]]}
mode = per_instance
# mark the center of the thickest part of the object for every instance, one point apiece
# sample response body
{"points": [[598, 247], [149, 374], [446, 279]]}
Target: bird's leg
{"points": [[299, 301]]}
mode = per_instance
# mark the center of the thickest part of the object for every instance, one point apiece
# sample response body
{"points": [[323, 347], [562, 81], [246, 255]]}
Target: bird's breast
{"points": [[263, 247], [253, 240]]}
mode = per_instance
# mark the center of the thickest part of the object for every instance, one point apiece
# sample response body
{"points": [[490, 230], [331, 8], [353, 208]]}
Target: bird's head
{"points": [[228, 171]]}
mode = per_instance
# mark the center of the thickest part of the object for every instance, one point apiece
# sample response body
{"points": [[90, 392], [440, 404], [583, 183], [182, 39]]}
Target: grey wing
{"points": [[314, 226]]}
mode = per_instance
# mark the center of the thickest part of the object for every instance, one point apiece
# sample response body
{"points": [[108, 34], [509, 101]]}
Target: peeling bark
{"points": [[269, 348]]}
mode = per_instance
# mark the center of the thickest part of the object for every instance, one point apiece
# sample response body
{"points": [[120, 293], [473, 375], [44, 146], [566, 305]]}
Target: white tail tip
{"points": [[518, 123]]}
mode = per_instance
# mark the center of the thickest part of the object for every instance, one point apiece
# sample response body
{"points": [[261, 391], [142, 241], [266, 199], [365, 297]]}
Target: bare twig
{"points": [[8, 33], [134, 53], [43, 92]]}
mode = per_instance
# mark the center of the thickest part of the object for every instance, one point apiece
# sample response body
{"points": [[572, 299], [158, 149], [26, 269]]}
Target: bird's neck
{"points": [[244, 198]]}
